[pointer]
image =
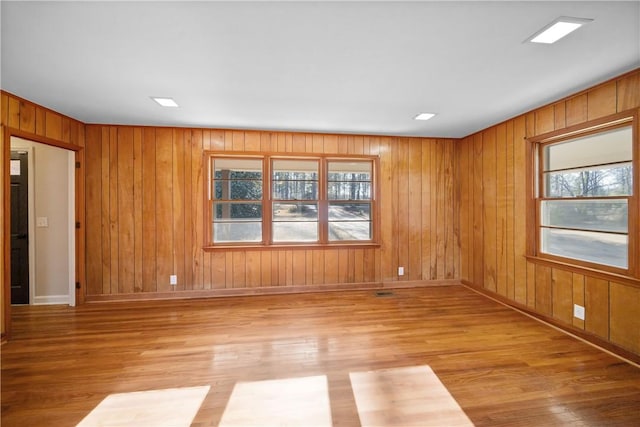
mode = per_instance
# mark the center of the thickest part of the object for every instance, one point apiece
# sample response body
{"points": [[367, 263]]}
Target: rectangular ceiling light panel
{"points": [[165, 102], [558, 29], [424, 116]]}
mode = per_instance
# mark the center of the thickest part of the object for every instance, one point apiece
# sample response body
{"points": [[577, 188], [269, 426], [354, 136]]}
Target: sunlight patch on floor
{"points": [[284, 402], [175, 407], [405, 397]]}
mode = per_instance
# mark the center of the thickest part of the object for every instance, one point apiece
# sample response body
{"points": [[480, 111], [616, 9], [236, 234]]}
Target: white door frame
{"points": [[71, 156]]}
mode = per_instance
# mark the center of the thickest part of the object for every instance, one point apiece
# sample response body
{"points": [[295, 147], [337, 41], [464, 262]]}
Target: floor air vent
{"points": [[384, 293]]}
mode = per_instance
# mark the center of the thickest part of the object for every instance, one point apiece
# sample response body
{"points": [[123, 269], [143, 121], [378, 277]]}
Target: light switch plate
{"points": [[42, 221]]}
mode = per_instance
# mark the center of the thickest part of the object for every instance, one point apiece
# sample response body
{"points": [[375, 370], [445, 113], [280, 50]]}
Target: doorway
{"points": [[42, 223]]}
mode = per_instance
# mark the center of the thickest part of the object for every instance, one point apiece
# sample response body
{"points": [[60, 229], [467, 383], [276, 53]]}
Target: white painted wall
{"points": [[53, 269]]}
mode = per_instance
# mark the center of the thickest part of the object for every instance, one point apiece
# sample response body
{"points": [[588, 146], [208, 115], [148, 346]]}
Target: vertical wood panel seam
{"points": [[142, 215], [609, 296], [155, 202], [184, 207], [513, 204], [422, 229], [173, 208], [117, 209], [496, 204], [134, 173]]}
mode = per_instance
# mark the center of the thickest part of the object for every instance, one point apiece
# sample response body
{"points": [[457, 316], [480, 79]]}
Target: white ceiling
{"points": [[344, 67]]}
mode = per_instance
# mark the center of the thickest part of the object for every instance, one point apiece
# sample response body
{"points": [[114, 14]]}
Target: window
{"points": [[585, 194], [291, 200], [349, 200], [295, 195], [237, 200]]}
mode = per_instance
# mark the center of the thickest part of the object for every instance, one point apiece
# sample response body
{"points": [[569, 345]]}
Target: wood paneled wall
{"points": [[39, 122], [23, 118], [493, 214], [144, 195]]}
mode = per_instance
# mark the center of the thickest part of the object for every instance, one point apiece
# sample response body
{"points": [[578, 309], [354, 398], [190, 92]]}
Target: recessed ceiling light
{"points": [[558, 29], [424, 116], [165, 102]]}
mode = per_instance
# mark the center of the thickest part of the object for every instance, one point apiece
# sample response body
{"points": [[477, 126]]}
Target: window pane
{"points": [[237, 179], [295, 179], [354, 190], [614, 180], [349, 230], [237, 232], [350, 211], [601, 248], [295, 231], [237, 212], [295, 190], [295, 212], [295, 169], [225, 174], [599, 215], [350, 171], [237, 168], [238, 190], [605, 147], [349, 180]]}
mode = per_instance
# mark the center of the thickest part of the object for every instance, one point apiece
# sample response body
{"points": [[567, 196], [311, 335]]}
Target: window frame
{"points": [[535, 184], [268, 200]]}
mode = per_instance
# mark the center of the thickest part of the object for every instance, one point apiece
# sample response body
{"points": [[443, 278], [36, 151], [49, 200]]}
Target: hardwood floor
{"points": [[268, 352]]}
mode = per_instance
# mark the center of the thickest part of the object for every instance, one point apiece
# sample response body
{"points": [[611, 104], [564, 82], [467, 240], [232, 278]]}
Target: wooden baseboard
{"points": [[273, 290], [609, 347]]}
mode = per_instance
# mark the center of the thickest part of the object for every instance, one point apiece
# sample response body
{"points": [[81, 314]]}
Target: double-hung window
{"points": [[236, 205], [350, 201], [295, 193], [275, 200], [587, 198]]}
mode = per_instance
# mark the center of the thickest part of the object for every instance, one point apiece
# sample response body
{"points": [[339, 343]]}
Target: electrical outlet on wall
{"points": [[578, 311], [173, 279], [400, 271]]}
